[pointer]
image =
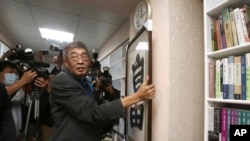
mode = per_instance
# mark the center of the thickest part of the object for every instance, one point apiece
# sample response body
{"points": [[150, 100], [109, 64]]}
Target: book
{"points": [[233, 26], [218, 80], [217, 120], [247, 76], [244, 26], [227, 27], [243, 117], [237, 77], [218, 34], [225, 78], [229, 114], [239, 117], [224, 122], [246, 11], [243, 77], [212, 79], [248, 117], [231, 77], [214, 134], [239, 27], [222, 32], [213, 35]]}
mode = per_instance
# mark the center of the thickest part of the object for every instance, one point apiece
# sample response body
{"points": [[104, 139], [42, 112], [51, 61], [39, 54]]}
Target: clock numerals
{"points": [[141, 15]]}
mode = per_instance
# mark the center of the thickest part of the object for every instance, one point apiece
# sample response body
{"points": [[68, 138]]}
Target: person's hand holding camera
{"points": [[41, 82], [98, 83], [28, 76], [109, 88]]}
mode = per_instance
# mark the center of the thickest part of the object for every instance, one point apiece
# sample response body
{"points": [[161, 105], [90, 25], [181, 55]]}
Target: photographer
{"points": [[105, 90], [10, 85]]}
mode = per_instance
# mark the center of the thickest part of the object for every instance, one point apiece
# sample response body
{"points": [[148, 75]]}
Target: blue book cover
{"points": [[243, 77]]}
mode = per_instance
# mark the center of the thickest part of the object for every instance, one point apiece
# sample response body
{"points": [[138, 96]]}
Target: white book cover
{"points": [[239, 27], [231, 77], [244, 26], [247, 76]]}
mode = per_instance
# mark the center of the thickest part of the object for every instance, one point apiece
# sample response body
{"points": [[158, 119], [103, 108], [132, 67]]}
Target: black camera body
{"points": [[25, 61], [106, 79]]}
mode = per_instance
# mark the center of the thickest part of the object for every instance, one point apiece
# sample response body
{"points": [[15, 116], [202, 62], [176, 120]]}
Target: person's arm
{"points": [[145, 92], [26, 78]]}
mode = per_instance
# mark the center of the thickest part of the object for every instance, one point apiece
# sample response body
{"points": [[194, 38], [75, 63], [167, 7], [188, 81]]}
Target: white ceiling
{"points": [[92, 21]]}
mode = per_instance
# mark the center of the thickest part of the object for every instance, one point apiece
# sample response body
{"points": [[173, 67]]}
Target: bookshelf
{"points": [[212, 8], [116, 61]]}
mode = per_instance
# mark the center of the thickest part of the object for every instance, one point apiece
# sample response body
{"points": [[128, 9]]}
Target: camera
{"points": [[45, 51], [56, 48], [24, 60], [106, 77]]}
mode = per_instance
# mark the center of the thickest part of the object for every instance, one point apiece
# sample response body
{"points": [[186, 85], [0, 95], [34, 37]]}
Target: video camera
{"points": [[106, 78], [24, 60], [56, 48]]}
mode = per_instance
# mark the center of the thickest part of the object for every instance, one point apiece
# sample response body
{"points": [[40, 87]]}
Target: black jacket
{"points": [[77, 117]]}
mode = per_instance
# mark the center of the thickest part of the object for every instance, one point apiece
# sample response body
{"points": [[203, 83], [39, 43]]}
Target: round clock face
{"points": [[141, 15]]}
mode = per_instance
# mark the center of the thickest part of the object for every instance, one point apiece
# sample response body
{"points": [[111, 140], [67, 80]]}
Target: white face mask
{"points": [[10, 78]]}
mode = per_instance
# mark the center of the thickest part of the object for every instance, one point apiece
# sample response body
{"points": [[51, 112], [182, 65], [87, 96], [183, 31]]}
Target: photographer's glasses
{"points": [[76, 57]]}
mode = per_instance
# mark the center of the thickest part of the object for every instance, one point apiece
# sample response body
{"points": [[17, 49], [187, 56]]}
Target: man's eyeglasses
{"points": [[76, 57]]}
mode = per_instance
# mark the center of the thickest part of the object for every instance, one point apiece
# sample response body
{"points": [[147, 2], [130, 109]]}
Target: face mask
{"points": [[10, 78]]}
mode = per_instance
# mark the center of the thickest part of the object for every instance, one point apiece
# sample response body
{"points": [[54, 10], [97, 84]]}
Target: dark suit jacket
{"points": [[77, 117]]}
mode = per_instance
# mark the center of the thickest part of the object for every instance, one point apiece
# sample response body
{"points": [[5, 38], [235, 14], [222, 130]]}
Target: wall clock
{"points": [[142, 14]]}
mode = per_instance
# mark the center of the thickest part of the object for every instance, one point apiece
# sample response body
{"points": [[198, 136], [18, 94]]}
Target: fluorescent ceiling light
{"points": [[56, 35]]}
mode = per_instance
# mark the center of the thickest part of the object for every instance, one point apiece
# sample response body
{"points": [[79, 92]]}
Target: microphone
{"points": [[35, 64]]}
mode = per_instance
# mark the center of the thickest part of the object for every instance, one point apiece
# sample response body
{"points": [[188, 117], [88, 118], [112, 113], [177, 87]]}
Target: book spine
{"points": [[225, 78], [211, 119], [239, 27], [222, 32], [244, 117], [218, 34], [246, 10], [247, 76], [248, 117], [227, 27], [221, 79], [239, 117], [237, 77], [233, 26], [217, 121], [224, 124], [243, 77], [229, 113], [218, 80], [212, 79], [231, 77], [244, 27], [213, 35]]}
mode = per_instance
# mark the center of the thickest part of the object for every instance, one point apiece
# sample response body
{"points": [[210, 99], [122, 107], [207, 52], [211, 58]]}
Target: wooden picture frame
{"points": [[138, 66]]}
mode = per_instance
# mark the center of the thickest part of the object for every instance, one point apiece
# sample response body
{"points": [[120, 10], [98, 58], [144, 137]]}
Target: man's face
{"points": [[77, 61]]}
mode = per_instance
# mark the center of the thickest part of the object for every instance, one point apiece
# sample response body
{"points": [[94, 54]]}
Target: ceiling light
{"points": [[56, 35]]}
